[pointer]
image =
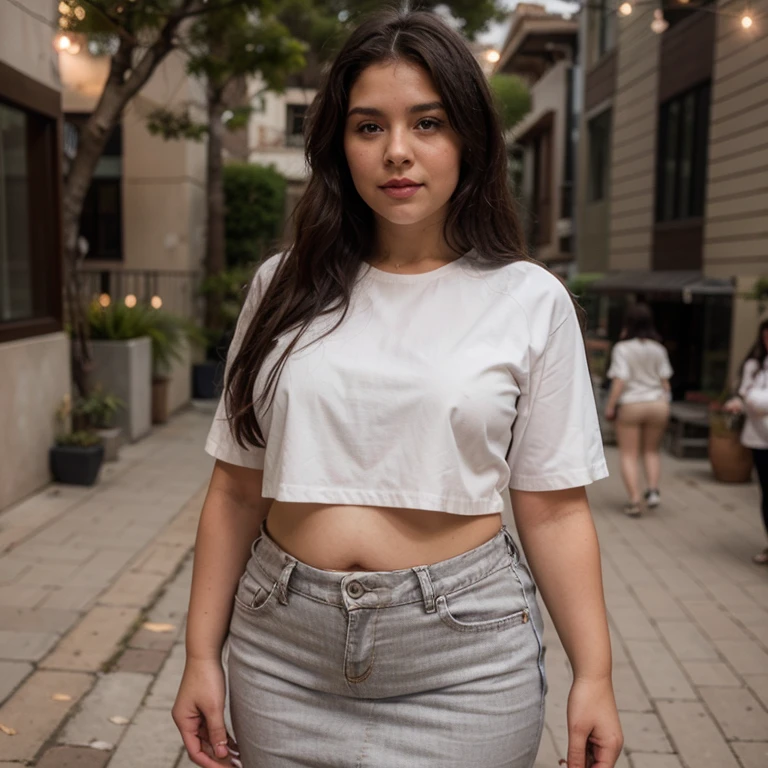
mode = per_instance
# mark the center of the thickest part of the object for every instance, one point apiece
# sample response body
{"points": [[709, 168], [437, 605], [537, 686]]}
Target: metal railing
{"points": [[174, 291]]}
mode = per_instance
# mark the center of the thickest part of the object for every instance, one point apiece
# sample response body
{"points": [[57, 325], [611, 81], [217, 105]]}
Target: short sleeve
{"points": [[665, 367], [556, 439], [221, 443], [619, 368]]}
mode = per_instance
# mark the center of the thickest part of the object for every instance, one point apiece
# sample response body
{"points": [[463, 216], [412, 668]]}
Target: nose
{"points": [[398, 150]]}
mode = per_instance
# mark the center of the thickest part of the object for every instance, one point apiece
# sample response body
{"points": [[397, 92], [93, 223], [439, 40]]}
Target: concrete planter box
{"points": [[124, 368]]}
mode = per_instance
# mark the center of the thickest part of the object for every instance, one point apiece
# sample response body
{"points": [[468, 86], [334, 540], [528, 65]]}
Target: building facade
{"points": [[541, 49], [34, 351], [144, 216], [668, 177]]}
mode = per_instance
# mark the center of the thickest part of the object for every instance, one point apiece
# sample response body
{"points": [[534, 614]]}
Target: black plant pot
{"points": [[74, 465], [207, 379]]}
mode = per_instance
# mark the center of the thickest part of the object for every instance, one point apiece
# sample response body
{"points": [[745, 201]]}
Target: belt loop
{"points": [[282, 582], [427, 590], [511, 546]]}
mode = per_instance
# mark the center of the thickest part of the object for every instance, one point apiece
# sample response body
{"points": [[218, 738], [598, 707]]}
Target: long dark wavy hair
{"points": [[335, 229], [638, 323], [758, 350]]}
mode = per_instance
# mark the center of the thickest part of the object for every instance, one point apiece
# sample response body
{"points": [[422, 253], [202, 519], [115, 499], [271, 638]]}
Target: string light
{"points": [[130, 301], [492, 56], [80, 12], [746, 21], [156, 302], [625, 9], [105, 300], [659, 23], [62, 42]]}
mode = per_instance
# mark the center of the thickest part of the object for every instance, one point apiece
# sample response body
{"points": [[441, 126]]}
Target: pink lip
{"points": [[401, 193], [402, 183]]}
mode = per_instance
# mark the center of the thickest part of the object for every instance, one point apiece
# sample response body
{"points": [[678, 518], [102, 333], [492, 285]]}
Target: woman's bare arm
{"points": [[560, 543], [232, 515]]}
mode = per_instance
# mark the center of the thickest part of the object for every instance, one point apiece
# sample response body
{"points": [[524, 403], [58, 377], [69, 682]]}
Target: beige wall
{"points": [[267, 130], [633, 148], [34, 381], [163, 181], [26, 43], [36, 372], [736, 226]]}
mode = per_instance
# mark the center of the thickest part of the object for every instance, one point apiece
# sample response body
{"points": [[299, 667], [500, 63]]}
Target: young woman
{"points": [[640, 373], [752, 400], [392, 374]]}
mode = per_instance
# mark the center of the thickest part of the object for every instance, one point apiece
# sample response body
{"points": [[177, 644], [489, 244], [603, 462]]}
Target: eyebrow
{"points": [[373, 112]]}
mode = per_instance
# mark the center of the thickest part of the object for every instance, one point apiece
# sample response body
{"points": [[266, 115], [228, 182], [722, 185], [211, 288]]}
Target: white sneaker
{"points": [[652, 499]]}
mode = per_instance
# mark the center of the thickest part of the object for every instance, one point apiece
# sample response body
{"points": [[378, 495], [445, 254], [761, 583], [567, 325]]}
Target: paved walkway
{"points": [[94, 586]]}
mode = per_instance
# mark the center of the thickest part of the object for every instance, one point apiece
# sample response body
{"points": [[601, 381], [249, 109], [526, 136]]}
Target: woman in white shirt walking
{"points": [[639, 402], [392, 375], [752, 400]]}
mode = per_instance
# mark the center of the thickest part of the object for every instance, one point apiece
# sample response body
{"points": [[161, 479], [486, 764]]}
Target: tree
{"points": [[139, 35], [512, 99]]}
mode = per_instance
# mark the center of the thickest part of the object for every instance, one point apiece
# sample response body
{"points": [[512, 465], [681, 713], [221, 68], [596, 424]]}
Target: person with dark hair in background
{"points": [[393, 374], [639, 402], [752, 401]]}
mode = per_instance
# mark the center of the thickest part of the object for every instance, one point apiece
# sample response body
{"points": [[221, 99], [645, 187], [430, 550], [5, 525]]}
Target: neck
{"points": [[408, 245]]}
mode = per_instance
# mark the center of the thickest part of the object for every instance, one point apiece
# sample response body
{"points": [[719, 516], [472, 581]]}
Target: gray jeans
{"points": [[428, 667]]}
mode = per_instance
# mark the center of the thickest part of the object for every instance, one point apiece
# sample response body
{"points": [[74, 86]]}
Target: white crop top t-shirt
{"points": [[437, 392]]}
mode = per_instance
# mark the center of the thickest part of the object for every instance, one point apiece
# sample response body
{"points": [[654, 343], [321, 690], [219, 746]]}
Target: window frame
{"points": [[592, 186], [42, 106], [293, 138]]}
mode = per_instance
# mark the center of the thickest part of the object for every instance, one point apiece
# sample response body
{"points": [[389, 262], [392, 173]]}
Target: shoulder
{"points": [[543, 297]]}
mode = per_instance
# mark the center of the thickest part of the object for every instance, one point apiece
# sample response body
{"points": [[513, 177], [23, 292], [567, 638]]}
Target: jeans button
{"points": [[355, 589]]}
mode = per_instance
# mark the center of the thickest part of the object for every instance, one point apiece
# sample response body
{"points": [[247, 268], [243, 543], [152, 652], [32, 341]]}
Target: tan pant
{"points": [[654, 413]]}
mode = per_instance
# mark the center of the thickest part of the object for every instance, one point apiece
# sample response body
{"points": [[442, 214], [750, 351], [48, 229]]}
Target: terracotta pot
{"points": [[731, 461], [159, 401]]}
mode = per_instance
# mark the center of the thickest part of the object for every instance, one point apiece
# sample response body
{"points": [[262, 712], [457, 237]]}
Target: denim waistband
{"points": [[377, 589]]}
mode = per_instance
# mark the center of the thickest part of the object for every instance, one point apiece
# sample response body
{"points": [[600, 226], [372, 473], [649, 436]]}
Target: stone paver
{"points": [[35, 714], [687, 610], [93, 641], [25, 646], [117, 694], [73, 757], [11, 674], [151, 740]]}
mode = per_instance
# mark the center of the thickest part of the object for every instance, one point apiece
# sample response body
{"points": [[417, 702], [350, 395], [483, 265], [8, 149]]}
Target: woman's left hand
{"points": [[610, 412], [594, 731]]}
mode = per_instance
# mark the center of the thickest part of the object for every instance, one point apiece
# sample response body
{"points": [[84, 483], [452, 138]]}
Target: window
{"points": [[15, 257], [676, 11], [606, 34], [295, 125], [599, 130], [101, 222], [682, 164]]}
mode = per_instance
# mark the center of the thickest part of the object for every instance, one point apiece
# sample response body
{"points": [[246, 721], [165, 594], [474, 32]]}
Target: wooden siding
{"points": [[736, 223], [600, 82]]}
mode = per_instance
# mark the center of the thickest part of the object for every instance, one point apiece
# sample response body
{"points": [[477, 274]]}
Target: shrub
{"points": [[255, 205]]}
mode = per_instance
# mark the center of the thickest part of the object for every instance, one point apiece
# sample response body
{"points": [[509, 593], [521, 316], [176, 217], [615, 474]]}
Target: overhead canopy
{"points": [[673, 282]]}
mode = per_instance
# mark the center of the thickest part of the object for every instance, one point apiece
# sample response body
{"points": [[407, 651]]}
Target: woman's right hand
{"points": [[199, 715], [734, 405]]}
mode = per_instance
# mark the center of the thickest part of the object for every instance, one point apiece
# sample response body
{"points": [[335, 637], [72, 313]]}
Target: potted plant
{"points": [[168, 333], [731, 462], [97, 411], [227, 290], [122, 356], [77, 455]]}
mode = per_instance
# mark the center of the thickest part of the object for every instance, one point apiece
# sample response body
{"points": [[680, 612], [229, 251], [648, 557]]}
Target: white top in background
{"points": [[641, 364], [754, 392], [437, 392]]}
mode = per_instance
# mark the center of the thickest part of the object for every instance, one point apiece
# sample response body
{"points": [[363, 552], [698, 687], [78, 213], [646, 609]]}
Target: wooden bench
{"points": [[688, 430]]}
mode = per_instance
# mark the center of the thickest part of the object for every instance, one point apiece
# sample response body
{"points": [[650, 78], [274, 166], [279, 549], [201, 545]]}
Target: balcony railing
{"points": [[174, 291]]}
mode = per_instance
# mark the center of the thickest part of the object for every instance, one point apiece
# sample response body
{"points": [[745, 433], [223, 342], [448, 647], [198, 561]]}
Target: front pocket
{"points": [[512, 620], [251, 596]]}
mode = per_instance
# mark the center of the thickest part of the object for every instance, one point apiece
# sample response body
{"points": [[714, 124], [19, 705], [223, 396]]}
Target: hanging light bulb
{"points": [[62, 43], [746, 21], [659, 23], [492, 56], [130, 301], [625, 9]]}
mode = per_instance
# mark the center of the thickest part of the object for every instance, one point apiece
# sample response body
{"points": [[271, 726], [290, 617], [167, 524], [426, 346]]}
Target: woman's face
{"points": [[403, 155]]}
